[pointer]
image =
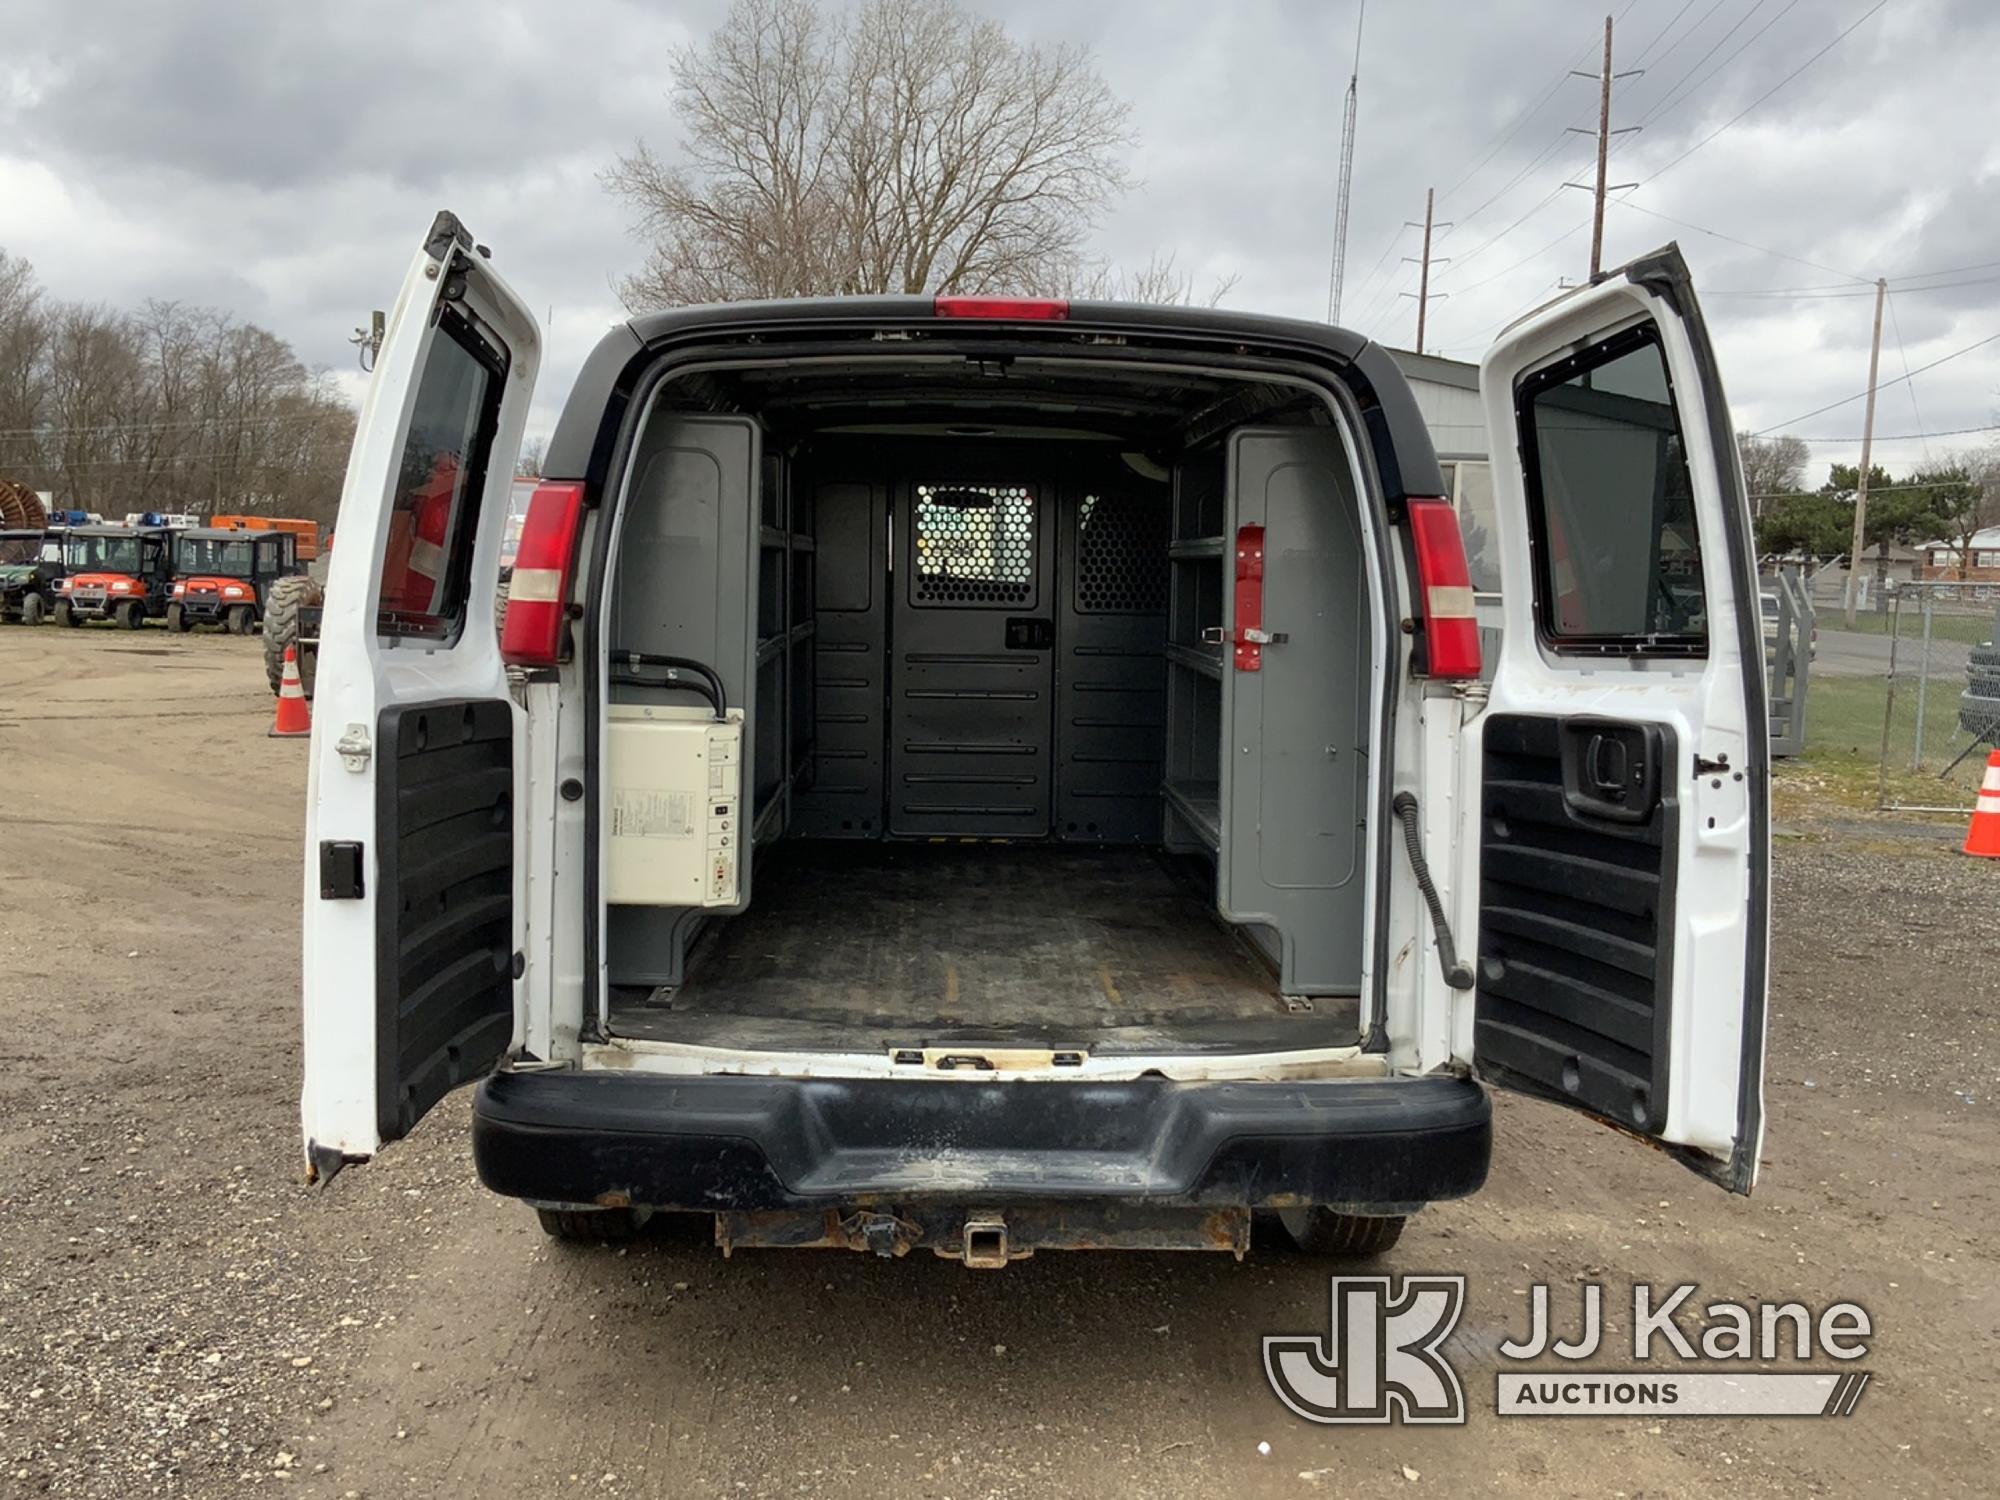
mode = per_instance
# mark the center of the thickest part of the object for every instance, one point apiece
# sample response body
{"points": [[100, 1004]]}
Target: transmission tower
{"points": [[1346, 174]]}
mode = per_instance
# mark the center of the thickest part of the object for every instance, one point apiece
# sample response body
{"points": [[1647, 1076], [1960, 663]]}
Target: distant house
{"points": [[1941, 559]]}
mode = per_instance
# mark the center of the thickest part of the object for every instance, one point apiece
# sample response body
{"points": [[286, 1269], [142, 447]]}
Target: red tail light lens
{"points": [[544, 568], [1006, 309], [1444, 589]]}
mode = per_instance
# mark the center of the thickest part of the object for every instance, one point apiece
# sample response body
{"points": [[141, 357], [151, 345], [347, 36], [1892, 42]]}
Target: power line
{"points": [[1687, 6], [1530, 113], [1800, 294], [1848, 400], [1895, 437], [1896, 325], [1678, 94], [1689, 32], [1866, 15]]}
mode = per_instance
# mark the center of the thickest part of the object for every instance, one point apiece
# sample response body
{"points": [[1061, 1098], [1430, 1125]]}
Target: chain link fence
{"points": [[1940, 693]]}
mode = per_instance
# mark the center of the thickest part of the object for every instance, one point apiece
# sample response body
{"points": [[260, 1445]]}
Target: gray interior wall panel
{"points": [[686, 585], [1295, 765], [850, 654], [1111, 671]]}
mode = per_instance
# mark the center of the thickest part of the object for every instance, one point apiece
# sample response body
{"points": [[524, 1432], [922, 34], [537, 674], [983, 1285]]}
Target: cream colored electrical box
{"points": [[674, 814]]}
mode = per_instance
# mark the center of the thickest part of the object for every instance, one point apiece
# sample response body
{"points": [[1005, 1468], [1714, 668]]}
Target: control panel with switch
{"points": [[674, 808]]}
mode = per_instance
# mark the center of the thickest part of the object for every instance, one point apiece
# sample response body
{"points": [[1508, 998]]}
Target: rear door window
{"points": [[427, 568], [1618, 561]]}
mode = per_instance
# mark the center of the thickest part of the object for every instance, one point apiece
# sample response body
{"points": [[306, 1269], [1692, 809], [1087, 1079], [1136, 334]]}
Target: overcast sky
{"points": [[282, 161]]}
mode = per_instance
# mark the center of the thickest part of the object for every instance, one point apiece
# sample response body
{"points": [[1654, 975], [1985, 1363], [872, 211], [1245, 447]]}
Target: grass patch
{"points": [[1844, 749], [1968, 629]]}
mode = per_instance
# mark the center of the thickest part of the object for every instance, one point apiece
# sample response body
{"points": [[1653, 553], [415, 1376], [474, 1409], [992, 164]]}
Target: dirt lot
{"points": [[179, 1314]]}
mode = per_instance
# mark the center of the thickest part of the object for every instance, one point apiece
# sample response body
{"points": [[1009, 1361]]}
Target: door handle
{"points": [[1611, 768]]}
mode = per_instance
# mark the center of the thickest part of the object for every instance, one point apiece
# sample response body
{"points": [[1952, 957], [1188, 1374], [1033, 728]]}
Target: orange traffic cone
{"points": [[295, 717], [1983, 838]]}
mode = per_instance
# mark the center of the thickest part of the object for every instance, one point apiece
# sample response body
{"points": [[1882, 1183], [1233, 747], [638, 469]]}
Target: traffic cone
{"points": [[295, 716], [1983, 838]]}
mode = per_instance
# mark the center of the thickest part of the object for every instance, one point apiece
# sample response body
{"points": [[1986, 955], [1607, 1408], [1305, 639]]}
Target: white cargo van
{"points": [[990, 774]]}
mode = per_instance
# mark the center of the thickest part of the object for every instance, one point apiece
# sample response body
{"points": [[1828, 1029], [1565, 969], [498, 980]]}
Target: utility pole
{"points": [[1346, 187], [1604, 134], [1867, 446], [1423, 292]]}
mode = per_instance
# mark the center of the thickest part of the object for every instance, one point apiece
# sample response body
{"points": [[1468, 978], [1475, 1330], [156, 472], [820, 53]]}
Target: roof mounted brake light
{"points": [[1004, 309]]}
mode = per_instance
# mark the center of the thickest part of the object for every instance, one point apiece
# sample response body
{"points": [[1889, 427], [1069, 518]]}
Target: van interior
{"points": [[1008, 775]]}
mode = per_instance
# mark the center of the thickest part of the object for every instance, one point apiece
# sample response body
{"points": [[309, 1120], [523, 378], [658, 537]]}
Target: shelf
{"points": [[775, 537], [1200, 803], [1197, 549], [1206, 660]]}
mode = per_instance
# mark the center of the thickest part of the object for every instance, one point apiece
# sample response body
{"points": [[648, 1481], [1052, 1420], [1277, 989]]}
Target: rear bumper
{"points": [[721, 1143]]}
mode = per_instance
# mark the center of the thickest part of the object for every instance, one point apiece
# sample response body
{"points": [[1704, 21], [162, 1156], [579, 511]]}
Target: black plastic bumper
{"points": [[718, 1143]]}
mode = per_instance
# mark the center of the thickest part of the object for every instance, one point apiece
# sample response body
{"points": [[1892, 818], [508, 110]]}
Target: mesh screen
{"points": [[975, 544], [1121, 555]]}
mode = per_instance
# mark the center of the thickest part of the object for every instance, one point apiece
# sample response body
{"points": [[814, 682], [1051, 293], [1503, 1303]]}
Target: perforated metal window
{"points": [[974, 544], [1121, 555]]}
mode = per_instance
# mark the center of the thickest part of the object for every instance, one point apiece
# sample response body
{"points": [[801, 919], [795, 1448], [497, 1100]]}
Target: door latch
{"points": [[354, 748]]}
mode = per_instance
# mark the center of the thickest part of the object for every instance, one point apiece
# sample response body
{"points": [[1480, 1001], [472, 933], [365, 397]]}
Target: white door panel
{"points": [[1623, 833], [414, 753]]}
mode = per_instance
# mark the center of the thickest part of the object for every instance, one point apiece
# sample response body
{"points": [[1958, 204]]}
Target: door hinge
{"points": [[354, 747]]}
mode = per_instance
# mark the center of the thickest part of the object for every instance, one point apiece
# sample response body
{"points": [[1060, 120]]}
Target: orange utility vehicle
{"points": [[225, 577], [305, 532], [121, 573]]}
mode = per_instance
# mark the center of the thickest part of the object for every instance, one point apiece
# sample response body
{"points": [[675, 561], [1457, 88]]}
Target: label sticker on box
{"points": [[637, 813]]}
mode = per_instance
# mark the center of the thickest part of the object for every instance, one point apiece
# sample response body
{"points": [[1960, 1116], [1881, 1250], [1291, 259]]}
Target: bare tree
{"points": [[1772, 466], [1160, 282], [167, 408], [533, 451], [916, 148]]}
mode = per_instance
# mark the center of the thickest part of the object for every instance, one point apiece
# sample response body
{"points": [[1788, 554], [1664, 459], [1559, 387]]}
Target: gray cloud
{"points": [[282, 162]]}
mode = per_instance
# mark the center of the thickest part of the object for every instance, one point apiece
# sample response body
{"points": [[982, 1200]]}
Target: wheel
{"points": [[589, 1226], [177, 620], [281, 625], [34, 609], [1979, 716], [65, 615], [131, 614], [240, 618], [1323, 1231]]}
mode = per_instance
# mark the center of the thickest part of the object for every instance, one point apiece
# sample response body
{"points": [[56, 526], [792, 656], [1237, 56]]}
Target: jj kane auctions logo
{"points": [[1382, 1357]]}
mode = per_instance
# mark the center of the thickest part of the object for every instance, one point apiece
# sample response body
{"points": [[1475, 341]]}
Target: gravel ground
{"points": [[180, 1315]]}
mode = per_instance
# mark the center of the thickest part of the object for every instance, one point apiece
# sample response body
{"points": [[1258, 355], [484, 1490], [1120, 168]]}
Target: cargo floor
{"points": [[852, 946]]}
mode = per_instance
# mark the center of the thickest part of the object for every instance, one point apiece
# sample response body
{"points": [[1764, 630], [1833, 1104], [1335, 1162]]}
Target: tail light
{"points": [[1447, 631], [544, 568], [1006, 309]]}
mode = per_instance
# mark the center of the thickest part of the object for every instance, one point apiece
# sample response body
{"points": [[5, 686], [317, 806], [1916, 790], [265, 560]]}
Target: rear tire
{"points": [[65, 615], [589, 1226], [34, 609], [281, 625], [130, 614], [1323, 1231]]}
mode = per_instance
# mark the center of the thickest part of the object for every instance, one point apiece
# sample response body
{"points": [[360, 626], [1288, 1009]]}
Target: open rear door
{"points": [[410, 881], [1624, 840]]}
